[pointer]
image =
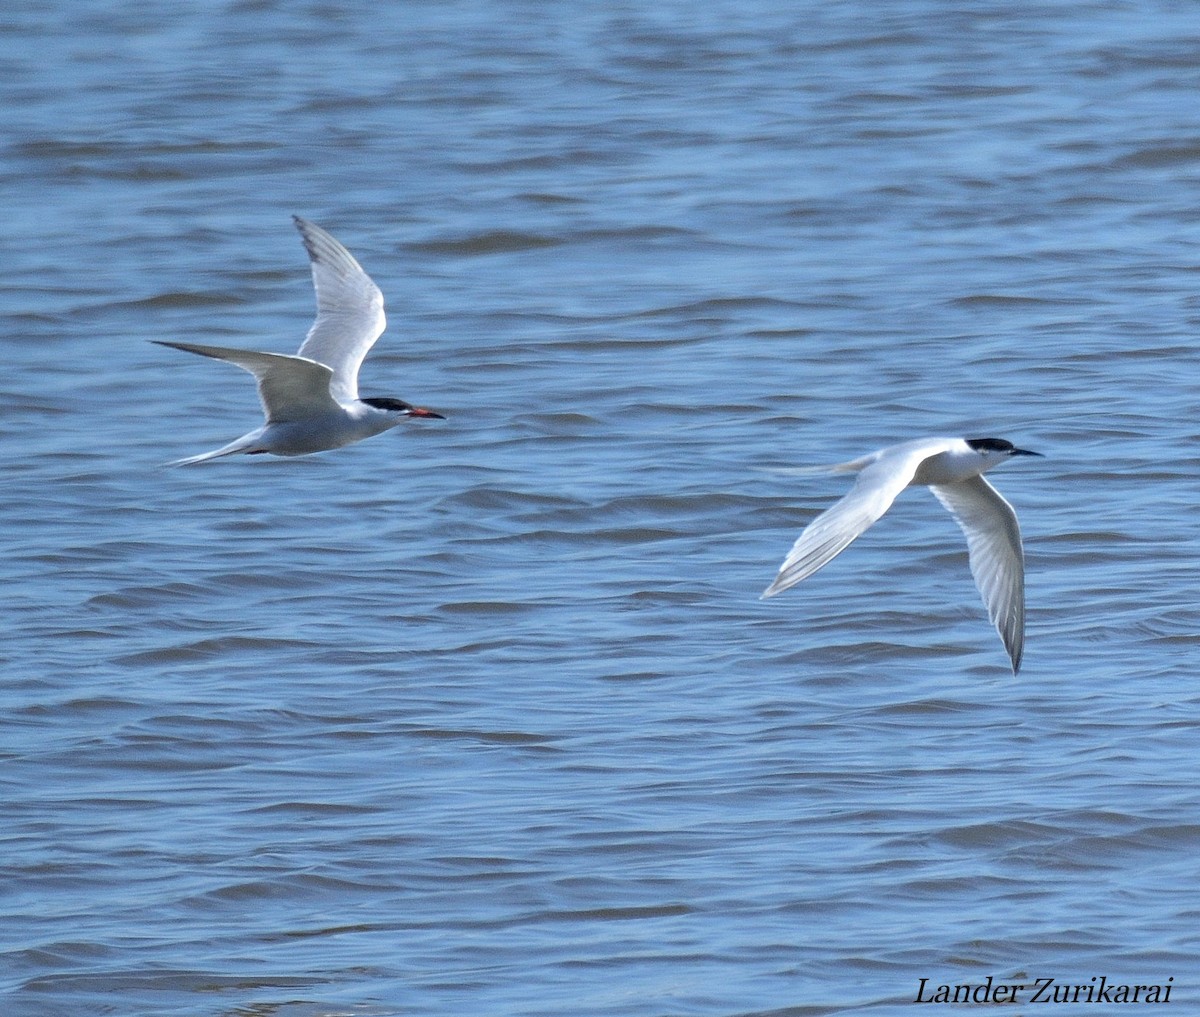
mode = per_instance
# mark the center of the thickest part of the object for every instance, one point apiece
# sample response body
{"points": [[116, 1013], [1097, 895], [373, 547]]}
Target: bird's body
{"points": [[311, 400], [953, 469]]}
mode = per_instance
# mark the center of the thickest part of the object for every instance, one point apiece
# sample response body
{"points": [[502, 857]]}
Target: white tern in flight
{"points": [[311, 400], [952, 468]]}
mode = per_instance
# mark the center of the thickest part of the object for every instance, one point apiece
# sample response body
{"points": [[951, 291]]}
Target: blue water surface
{"points": [[485, 716]]}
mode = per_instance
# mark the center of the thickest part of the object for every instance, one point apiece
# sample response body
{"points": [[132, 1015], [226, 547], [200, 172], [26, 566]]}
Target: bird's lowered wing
{"points": [[994, 549], [830, 533], [290, 387]]}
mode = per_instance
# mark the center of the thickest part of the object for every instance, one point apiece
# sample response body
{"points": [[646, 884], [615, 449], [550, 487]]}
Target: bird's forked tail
{"points": [[244, 444]]}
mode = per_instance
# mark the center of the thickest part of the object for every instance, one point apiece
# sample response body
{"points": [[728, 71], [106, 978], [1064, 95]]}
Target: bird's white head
{"points": [[997, 449], [400, 407]]}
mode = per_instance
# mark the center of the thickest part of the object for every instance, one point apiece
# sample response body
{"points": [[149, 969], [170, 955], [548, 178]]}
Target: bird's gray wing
{"points": [[994, 549], [349, 311], [837, 527], [290, 388]]}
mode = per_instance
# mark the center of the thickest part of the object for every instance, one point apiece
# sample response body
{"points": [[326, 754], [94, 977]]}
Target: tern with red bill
{"points": [[311, 400], [952, 468]]}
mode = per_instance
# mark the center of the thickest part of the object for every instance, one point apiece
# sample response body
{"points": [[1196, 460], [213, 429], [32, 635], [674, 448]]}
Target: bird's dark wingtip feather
{"points": [[306, 238]]}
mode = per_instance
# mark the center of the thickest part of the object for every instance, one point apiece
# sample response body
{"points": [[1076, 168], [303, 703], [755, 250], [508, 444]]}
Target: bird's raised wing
{"points": [[349, 311], [827, 536], [290, 387], [994, 549]]}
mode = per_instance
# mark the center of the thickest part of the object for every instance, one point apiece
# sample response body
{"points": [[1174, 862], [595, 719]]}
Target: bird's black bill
{"points": [[1024, 452]]}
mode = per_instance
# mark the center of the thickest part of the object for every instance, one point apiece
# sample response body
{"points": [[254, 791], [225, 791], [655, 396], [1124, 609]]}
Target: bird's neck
{"points": [[952, 467]]}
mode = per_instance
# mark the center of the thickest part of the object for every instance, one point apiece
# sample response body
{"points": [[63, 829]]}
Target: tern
{"points": [[952, 468], [310, 400]]}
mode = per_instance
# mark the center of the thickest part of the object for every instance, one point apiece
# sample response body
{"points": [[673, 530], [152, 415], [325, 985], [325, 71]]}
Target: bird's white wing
{"points": [[827, 536], [290, 387], [994, 549], [349, 311]]}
